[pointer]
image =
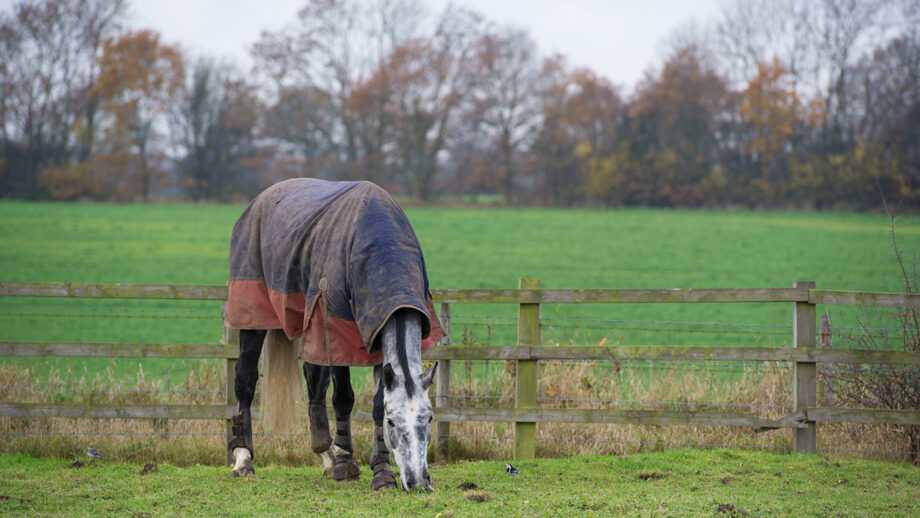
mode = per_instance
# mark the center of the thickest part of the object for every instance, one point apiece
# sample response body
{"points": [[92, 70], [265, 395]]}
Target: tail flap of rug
{"points": [[328, 340]]}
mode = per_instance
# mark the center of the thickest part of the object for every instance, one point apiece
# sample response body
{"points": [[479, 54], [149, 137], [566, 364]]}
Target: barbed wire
{"points": [[101, 433], [681, 323], [576, 320], [449, 396]]}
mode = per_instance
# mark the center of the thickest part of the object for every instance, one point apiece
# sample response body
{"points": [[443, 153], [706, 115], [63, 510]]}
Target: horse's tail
{"points": [[282, 395]]}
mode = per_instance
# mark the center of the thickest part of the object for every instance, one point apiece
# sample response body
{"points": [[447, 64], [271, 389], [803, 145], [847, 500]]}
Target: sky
{"points": [[618, 39]]}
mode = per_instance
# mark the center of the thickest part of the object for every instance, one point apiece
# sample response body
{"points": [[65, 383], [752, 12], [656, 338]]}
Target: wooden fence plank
{"points": [[856, 415], [118, 350], [113, 291], [116, 412], [813, 296], [535, 296], [858, 298]]}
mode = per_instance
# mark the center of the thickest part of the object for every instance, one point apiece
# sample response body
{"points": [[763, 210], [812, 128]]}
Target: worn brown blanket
{"points": [[329, 261]]}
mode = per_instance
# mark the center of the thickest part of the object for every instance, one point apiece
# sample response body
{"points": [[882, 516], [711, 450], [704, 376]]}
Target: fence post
{"points": [[229, 336], [442, 391], [804, 385], [528, 335]]}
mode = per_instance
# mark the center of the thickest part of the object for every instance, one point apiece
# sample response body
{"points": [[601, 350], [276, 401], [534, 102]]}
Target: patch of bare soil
{"points": [[732, 510], [478, 497]]}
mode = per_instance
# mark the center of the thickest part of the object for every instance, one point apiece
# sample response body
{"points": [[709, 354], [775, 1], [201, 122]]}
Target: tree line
{"points": [[774, 104]]}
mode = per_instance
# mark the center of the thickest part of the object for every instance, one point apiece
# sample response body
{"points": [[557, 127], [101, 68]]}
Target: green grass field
{"points": [[673, 483], [465, 248]]}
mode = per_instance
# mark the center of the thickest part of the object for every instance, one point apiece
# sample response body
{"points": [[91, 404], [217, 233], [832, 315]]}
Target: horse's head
{"points": [[407, 418]]}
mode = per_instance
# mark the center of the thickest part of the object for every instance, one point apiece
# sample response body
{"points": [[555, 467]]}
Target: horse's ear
{"points": [[428, 376], [389, 377]]}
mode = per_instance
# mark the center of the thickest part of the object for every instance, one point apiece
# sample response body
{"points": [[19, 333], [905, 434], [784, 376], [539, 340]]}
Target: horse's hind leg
{"points": [[380, 455], [247, 375], [317, 377], [343, 401]]}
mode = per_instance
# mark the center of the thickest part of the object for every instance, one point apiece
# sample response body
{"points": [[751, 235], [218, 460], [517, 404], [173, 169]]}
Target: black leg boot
{"points": [[242, 438], [380, 462], [346, 467]]}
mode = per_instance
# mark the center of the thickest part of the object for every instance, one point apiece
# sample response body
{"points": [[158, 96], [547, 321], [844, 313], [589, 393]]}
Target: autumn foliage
{"points": [[777, 103]]}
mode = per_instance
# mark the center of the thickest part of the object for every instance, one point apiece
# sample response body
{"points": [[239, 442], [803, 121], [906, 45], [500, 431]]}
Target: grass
{"points": [[677, 482]]}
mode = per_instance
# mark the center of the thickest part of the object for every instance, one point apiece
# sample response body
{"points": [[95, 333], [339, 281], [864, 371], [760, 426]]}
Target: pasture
{"points": [[465, 248], [678, 482]]}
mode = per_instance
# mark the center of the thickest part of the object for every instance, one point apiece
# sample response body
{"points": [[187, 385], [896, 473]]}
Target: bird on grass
{"points": [[511, 470], [93, 452]]}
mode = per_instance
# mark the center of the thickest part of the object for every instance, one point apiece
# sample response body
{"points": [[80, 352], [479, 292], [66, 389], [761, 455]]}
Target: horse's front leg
{"points": [[380, 455], [343, 401], [247, 375], [317, 377]]}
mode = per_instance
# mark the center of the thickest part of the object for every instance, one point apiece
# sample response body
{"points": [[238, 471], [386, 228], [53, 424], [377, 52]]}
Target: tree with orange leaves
{"points": [[139, 79]]}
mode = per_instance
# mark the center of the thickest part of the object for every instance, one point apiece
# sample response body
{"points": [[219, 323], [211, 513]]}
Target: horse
{"points": [[338, 266]]}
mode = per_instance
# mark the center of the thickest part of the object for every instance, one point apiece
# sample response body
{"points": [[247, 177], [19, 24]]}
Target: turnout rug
{"points": [[329, 262]]}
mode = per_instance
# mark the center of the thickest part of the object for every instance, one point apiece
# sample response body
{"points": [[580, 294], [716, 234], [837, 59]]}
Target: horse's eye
{"points": [[430, 418], [390, 423]]}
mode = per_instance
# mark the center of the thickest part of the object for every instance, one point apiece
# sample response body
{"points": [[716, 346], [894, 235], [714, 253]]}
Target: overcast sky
{"points": [[618, 39]]}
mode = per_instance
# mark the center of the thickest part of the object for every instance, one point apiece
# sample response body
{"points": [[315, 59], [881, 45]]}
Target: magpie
{"points": [[92, 452], [511, 470]]}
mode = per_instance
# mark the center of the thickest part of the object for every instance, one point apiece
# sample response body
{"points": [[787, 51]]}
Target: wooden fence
{"points": [[527, 353]]}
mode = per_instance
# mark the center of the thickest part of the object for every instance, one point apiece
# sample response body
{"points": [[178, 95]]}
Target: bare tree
{"points": [[48, 52], [331, 53], [216, 121], [430, 78], [750, 32], [505, 98]]}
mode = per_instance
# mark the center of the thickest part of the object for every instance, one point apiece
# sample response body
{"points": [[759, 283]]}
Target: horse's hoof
{"points": [[384, 480], [246, 470], [329, 462], [345, 470]]}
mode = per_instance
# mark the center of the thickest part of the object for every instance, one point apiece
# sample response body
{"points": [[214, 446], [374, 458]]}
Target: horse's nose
{"points": [[411, 480]]}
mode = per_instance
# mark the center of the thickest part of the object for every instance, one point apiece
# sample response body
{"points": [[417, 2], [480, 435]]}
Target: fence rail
{"points": [[528, 352], [520, 296]]}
